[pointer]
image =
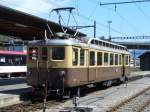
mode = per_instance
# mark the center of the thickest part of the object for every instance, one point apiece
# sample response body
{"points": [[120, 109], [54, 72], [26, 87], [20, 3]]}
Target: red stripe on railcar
{"points": [[12, 52]]}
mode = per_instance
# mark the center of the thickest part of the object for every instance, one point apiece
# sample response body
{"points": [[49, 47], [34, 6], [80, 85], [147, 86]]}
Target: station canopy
{"points": [[26, 26]]}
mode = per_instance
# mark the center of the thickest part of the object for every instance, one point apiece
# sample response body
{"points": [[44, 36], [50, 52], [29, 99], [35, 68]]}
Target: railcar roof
{"points": [[69, 41], [112, 43], [76, 42]]}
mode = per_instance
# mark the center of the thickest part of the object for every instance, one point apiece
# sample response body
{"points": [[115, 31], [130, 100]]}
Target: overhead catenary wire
{"points": [[125, 2], [141, 10], [98, 23], [112, 29], [125, 20], [101, 24], [77, 5], [93, 11], [135, 2], [122, 17], [130, 24]]}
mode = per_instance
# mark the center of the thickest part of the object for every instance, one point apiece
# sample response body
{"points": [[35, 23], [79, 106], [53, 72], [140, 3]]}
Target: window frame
{"points": [[120, 59], [84, 57], [101, 58], [52, 53], [90, 58], [75, 48], [116, 64], [126, 60], [43, 56], [106, 64], [112, 59]]}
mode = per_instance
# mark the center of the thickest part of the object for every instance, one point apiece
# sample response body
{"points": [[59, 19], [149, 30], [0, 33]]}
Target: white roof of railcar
{"points": [[83, 43]]}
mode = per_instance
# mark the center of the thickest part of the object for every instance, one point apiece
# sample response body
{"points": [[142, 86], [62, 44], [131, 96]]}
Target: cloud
{"points": [[36, 7], [58, 3]]}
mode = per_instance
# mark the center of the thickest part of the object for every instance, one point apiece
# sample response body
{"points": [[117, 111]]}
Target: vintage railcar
{"points": [[64, 64]]}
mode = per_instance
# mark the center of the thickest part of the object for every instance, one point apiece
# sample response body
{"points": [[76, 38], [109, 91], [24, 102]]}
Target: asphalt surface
{"points": [[12, 81]]}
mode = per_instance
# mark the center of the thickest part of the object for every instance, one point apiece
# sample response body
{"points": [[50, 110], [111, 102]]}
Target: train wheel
{"points": [[123, 79], [76, 91], [67, 94], [107, 83]]}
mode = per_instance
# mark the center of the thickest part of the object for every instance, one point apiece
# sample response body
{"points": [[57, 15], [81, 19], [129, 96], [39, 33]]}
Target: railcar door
{"points": [[37, 64], [32, 65], [43, 64], [121, 62], [126, 65], [123, 65], [92, 66]]}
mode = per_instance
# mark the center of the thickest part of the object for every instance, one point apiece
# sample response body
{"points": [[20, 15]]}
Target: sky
{"points": [[127, 20]]}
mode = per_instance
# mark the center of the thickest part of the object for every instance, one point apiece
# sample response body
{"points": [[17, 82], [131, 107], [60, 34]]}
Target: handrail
{"points": [[37, 65]]}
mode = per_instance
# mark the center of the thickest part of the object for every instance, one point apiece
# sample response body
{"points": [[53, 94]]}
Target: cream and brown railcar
{"points": [[70, 63]]}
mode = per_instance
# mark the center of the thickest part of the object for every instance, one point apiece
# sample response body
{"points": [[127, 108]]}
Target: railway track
{"points": [[146, 109], [30, 106], [51, 102], [138, 103]]}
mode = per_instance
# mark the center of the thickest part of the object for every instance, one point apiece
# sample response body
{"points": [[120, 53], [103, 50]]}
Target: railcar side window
{"points": [[129, 59], [82, 57], [126, 60], [75, 56], [33, 53], [92, 58], [93, 42], [96, 42], [107, 44], [120, 60], [111, 59], [58, 53], [17, 60], [100, 43], [105, 58], [116, 59], [99, 58], [44, 53]]}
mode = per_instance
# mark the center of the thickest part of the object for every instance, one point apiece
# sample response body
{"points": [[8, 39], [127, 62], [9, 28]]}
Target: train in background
{"points": [[66, 65], [12, 59]]}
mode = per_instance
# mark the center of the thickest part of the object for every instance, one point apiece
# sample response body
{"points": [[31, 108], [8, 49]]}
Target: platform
{"points": [[139, 73], [11, 91], [103, 100]]}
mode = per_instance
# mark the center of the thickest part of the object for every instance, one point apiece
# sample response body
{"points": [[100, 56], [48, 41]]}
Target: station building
{"points": [[145, 61]]}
